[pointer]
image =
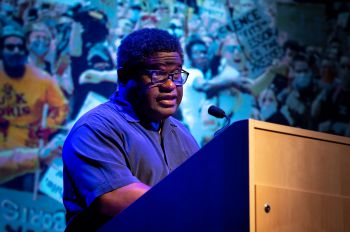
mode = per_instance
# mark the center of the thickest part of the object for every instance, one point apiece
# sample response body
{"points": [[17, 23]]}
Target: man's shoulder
{"points": [[183, 132], [37, 72], [104, 114], [38, 75]]}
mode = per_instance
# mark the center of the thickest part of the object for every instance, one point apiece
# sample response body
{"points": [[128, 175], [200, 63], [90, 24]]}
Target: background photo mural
{"points": [[280, 61]]}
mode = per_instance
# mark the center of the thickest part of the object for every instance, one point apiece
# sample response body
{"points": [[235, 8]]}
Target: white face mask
{"points": [[268, 110]]}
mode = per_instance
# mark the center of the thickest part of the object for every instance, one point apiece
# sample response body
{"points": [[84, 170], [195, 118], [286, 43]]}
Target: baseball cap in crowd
{"points": [[12, 30]]}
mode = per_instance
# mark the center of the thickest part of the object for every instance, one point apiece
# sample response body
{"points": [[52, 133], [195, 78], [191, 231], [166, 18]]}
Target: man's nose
{"points": [[169, 84], [16, 49], [202, 54]]}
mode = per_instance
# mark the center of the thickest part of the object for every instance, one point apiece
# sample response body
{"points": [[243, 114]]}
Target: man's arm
{"points": [[57, 103], [112, 203], [106, 206], [265, 79], [16, 162], [221, 82], [94, 76]]}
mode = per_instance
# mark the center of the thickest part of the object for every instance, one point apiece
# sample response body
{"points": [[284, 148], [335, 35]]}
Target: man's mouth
{"points": [[168, 100]]}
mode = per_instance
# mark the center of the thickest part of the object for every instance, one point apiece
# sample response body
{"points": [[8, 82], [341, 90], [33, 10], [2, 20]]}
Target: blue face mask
{"points": [[38, 47], [301, 81]]}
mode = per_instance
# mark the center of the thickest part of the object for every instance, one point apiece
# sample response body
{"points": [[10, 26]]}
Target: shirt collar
{"points": [[127, 111]]}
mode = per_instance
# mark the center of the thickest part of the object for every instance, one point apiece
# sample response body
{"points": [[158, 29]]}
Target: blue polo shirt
{"points": [[109, 147]]}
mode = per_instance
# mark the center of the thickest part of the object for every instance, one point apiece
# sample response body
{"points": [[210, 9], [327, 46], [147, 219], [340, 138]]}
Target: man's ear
{"points": [[126, 74], [123, 75]]}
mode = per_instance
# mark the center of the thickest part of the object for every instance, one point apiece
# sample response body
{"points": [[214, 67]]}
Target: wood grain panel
{"points": [[300, 211]]}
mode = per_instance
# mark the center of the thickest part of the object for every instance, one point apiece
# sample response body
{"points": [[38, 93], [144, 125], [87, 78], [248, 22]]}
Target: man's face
{"points": [[302, 75], [288, 56], [39, 42], [199, 56], [13, 53], [266, 98], [156, 102]]}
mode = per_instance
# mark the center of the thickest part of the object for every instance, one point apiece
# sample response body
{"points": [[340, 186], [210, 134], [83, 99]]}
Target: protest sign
{"points": [[257, 38], [52, 182], [20, 213], [214, 9]]}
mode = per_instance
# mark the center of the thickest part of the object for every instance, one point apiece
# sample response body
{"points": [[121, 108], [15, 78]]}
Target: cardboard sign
{"points": [[20, 213], [257, 38], [214, 9], [52, 182]]}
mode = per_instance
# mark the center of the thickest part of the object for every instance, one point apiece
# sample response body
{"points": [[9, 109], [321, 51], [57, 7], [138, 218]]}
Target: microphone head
{"points": [[216, 112]]}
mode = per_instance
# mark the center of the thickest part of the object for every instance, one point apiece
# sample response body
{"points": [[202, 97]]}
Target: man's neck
{"points": [[146, 121], [153, 126]]}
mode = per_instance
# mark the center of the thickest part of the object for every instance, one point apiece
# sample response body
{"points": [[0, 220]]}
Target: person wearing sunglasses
{"points": [[26, 94], [24, 90], [118, 150]]}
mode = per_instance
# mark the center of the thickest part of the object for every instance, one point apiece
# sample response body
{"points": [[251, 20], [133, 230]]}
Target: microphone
{"points": [[217, 112]]}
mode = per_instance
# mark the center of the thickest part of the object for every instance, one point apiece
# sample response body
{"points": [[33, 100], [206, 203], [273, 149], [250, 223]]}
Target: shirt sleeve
{"points": [[58, 106], [95, 162]]}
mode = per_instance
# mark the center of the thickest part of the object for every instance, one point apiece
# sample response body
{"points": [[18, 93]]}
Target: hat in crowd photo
{"points": [[12, 30], [39, 27]]}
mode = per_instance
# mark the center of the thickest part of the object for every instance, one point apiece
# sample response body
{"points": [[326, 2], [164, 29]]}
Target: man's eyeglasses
{"points": [[179, 77], [12, 47]]}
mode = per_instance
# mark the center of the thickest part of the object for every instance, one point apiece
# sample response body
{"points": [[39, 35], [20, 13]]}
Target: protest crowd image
{"points": [[279, 61]]}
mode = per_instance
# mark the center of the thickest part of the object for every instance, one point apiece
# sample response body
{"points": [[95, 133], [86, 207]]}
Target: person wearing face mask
{"points": [[39, 37], [302, 92], [269, 110], [331, 108]]}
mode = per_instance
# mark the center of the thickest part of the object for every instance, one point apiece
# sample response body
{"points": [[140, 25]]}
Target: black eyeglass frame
{"points": [[183, 74]]}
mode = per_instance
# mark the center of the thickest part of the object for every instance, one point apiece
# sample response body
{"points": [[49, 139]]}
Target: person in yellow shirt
{"points": [[32, 106], [26, 92]]}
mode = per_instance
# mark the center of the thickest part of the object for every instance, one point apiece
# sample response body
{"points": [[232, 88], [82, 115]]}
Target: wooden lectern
{"points": [[255, 176]]}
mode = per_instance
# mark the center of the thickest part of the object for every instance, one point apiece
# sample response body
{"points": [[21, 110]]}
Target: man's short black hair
{"points": [[191, 43], [141, 44]]}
